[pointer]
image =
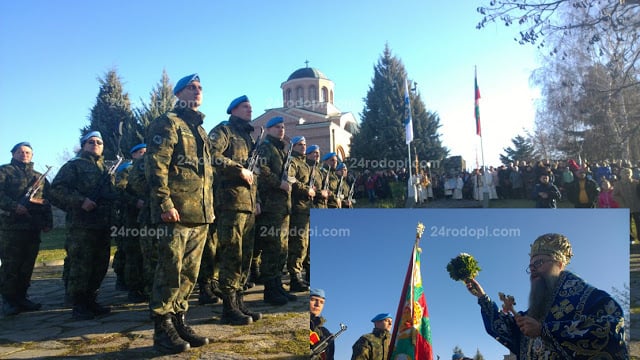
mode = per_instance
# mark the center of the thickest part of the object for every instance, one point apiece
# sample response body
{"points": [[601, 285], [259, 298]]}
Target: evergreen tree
{"points": [[522, 150], [112, 108], [161, 100], [478, 355], [381, 134]]}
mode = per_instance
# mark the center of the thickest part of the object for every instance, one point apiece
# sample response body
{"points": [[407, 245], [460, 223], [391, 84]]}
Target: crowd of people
{"points": [[222, 210]]}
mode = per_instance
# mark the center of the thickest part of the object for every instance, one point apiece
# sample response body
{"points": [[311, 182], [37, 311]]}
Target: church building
{"points": [[308, 109]]}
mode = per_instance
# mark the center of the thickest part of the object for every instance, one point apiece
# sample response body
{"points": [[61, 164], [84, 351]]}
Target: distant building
{"points": [[510, 357], [308, 109]]}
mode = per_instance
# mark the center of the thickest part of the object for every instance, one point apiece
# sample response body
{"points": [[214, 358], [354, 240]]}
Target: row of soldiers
{"points": [[169, 229]]}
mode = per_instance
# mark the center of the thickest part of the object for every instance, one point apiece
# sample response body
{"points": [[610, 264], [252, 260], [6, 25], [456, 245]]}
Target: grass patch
{"points": [[52, 246]]}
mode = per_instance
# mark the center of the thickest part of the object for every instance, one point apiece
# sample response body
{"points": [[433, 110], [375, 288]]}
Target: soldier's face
{"points": [[277, 131], [315, 155], [94, 146], [316, 304], [138, 153], [332, 162], [191, 95], [23, 154], [384, 324], [300, 147], [243, 111]]}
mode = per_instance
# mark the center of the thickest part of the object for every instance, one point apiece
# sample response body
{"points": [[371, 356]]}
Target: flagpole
{"points": [[485, 193]]}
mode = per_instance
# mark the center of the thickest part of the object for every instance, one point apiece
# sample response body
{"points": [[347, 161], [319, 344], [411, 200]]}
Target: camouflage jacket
{"points": [[15, 179], [138, 187], [273, 155], [85, 176], [231, 145], [300, 200], [372, 346], [333, 180], [178, 167], [128, 209]]}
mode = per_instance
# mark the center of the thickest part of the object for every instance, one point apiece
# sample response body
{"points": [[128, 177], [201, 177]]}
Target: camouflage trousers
{"points": [[235, 248], [18, 252], [298, 242], [272, 233], [87, 261], [149, 253], [179, 252], [209, 265]]}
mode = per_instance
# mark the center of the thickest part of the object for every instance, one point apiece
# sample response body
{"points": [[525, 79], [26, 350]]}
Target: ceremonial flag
{"points": [[477, 113], [408, 123], [411, 337]]}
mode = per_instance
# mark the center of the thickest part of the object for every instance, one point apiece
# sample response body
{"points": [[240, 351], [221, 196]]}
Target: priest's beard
{"points": [[540, 295]]}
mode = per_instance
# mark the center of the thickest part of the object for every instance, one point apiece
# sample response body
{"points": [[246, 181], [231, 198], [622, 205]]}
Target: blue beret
{"points": [[137, 147], [274, 121], [182, 83], [16, 146], [316, 292], [297, 139], [312, 148], [340, 166], [380, 317], [328, 156], [90, 134], [237, 101]]}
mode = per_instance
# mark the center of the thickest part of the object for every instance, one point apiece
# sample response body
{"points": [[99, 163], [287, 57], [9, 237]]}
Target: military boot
{"points": [[206, 295], [165, 337], [297, 283], [96, 308], [272, 294], [81, 309], [255, 316], [186, 332], [23, 302], [27, 305], [214, 285], [290, 297], [9, 306], [230, 312]]}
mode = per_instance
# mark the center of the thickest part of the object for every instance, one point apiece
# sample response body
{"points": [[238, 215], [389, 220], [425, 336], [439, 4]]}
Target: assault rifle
{"points": [[287, 165], [322, 345], [339, 194], [252, 163], [351, 191], [326, 179], [96, 194], [312, 179], [34, 188]]}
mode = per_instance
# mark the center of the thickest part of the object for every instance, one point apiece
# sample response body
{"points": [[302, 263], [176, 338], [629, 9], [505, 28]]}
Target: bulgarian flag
{"points": [[477, 112], [411, 337]]}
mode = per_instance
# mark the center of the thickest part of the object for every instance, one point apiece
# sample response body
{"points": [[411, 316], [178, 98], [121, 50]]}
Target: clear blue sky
{"points": [[362, 267], [52, 52]]}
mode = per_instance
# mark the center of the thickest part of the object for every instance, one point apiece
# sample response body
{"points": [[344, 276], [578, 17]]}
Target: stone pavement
{"points": [[127, 333]]}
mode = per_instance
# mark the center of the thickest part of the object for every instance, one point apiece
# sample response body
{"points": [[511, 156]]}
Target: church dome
{"points": [[307, 72]]}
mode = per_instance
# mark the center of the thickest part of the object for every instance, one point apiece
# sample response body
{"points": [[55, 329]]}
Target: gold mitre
{"points": [[555, 245]]}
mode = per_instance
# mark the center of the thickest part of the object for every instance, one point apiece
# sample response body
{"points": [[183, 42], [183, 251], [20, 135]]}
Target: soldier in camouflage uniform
{"points": [[21, 221], [236, 191], [129, 231], [330, 179], [313, 160], [375, 345], [180, 177], [138, 187], [343, 191], [302, 195], [272, 225], [84, 189]]}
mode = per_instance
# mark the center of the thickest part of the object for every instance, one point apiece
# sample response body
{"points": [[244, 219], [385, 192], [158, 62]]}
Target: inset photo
{"points": [[458, 283]]}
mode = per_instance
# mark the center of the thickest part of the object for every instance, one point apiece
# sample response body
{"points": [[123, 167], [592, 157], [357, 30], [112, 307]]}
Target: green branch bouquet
{"points": [[463, 267]]}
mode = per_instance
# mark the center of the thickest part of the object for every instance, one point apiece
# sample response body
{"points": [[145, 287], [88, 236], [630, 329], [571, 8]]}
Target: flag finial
{"points": [[419, 231]]}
